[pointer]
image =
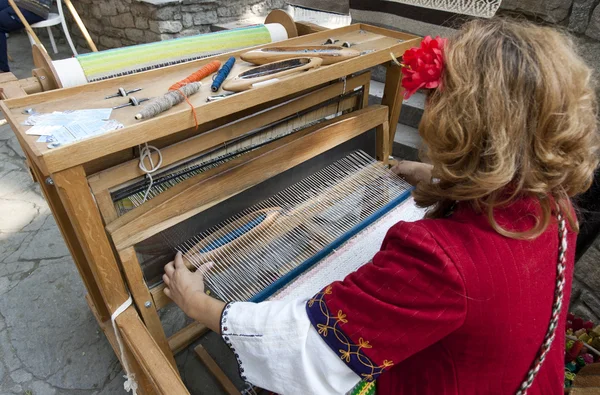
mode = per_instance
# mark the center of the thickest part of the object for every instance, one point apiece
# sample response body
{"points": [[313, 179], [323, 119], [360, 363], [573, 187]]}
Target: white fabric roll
{"points": [[69, 72], [277, 31]]}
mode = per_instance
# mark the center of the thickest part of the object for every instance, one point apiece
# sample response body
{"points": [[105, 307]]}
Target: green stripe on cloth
{"points": [[364, 388], [98, 65]]}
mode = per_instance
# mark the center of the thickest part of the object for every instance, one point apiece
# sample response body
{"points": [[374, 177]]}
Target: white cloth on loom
{"points": [[279, 350], [264, 335]]}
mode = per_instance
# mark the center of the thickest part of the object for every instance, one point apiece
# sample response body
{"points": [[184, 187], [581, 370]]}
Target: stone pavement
{"points": [[49, 341]]}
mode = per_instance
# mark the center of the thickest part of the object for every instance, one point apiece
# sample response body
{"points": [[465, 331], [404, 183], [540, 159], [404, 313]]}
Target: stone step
{"points": [[407, 143], [412, 109]]}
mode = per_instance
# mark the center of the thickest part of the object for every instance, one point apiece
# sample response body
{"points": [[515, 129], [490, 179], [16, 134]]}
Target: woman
{"points": [[468, 300], [33, 10]]}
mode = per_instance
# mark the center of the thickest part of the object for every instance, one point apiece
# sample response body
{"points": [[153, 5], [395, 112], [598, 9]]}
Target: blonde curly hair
{"points": [[516, 116]]}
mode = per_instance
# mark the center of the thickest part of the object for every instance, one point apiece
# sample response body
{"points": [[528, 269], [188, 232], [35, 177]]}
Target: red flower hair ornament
{"points": [[423, 66]]}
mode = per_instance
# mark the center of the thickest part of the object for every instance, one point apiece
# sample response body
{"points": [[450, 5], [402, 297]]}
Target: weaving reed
{"points": [[264, 247]]}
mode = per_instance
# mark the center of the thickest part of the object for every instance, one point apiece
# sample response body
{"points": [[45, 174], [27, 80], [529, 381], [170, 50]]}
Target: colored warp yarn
{"points": [[163, 103], [222, 74]]}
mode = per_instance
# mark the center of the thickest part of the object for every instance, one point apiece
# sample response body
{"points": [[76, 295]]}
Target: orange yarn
{"points": [[198, 75], [191, 105]]}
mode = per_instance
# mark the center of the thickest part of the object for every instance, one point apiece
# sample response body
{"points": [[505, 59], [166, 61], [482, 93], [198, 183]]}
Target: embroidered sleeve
{"points": [[409, 297], [278, 349]]}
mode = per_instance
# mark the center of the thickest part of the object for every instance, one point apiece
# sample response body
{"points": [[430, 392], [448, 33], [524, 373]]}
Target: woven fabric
{"points": [[129, 60]]}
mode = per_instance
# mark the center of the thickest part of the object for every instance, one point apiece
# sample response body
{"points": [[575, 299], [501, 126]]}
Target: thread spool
{"points": [[203, 72], [170, 99], [222, 74]]}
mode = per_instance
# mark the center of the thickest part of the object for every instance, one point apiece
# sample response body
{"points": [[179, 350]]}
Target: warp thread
{"points": [[163, 103], [198, 75], [222, 74]]}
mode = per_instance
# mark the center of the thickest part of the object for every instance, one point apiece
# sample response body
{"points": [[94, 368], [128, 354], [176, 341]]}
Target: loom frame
{"points": [[76, 179]]}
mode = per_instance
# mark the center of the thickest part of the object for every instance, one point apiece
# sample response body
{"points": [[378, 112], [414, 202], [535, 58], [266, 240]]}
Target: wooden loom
{"points": [[80, 180]]}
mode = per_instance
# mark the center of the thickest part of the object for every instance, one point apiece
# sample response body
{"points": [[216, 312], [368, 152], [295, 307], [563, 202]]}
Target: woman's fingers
{"points": [[413, 172], [178, 260], [166, 280], [169, 269], [167, 292]]}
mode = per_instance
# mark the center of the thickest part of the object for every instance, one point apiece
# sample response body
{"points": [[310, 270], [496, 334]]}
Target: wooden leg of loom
{"points": [[143, 299], [83, 214], [144, 385], [68, 232], [152, 360], [383, 150], [216, 371], [392, 97]]}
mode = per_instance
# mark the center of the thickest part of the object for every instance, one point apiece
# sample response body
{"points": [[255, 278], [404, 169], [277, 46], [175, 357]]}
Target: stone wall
{"points": [[585, 295], [118, 23], [579, 16]]}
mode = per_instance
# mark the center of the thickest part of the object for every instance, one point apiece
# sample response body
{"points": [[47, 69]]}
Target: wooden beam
{"points": [[145, 387], [147, 353], [12, 89], [83, 214], [393, 95], [216, 371], [182, 339], [383, 147], [143, 300]]}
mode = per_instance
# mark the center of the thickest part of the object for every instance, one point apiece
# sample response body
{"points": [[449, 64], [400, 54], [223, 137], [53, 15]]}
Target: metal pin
{"points": [[28, 111], [219, 97], [122, 93], [330, 41], [347, 44], [148, 304], [132, 102]]}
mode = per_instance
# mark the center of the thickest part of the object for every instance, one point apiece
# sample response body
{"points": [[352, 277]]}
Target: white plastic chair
{"points": [[53, 20]]}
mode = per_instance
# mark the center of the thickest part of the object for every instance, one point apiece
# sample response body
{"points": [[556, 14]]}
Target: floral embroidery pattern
{"points": [[327, 326]]}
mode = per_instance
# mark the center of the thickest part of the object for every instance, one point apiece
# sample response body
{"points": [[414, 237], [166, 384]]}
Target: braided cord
{"points": [[556, 308]]}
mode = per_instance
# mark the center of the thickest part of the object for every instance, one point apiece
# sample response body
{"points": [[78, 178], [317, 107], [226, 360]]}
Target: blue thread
{"points": [[222, 74], [234, 234], [292, 274]]}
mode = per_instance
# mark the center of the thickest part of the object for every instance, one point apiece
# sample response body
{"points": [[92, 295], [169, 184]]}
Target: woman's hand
{"points": [[186, 289], [413, 172]]}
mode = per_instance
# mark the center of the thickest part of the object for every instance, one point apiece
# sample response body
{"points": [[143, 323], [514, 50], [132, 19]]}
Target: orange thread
{"points": [[198, 75], [191, 105]]}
